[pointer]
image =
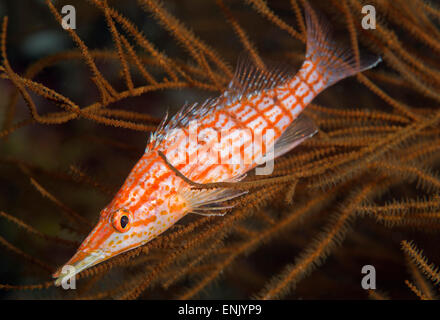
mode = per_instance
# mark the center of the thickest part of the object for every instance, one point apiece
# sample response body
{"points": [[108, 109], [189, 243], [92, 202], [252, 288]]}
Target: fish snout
{"points": [[90, 253], [79, 262]]}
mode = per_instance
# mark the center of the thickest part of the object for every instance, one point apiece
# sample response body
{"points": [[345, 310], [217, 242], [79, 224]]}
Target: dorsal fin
{"points": [[181, 119], [250, 79]]}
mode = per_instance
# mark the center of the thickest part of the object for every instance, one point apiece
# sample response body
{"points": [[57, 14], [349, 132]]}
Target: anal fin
{"points": [[301, 129]]}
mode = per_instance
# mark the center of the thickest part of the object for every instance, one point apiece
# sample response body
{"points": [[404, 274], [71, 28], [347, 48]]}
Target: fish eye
{"points": [[121, 220]]}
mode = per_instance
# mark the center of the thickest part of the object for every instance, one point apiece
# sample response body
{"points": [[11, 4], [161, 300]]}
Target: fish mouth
{"points": [[79, 262]]}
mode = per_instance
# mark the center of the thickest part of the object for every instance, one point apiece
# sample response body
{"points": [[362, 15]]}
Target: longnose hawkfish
{"points": [[154, 197]]}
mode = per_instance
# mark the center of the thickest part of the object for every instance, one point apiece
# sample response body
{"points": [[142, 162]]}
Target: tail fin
{"points": [[333, 61]]}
